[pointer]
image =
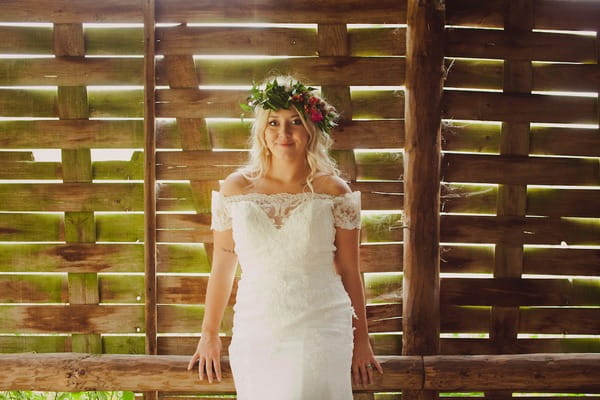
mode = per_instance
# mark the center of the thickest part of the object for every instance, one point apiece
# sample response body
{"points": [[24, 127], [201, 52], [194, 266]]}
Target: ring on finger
{"points": [[369, 366]]}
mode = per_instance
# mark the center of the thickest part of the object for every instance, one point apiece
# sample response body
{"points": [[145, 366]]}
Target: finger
{"points": [[217, 364], [378, 366], [355, 375], [201, 364], [363, 375], [369, 369], [192, 362], [209, 370]]}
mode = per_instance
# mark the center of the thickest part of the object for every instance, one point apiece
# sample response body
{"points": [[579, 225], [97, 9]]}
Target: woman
{"points": [[300, 328]]}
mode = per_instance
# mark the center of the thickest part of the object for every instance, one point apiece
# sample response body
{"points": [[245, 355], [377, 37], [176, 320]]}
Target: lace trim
{"points": [[346, 207]]}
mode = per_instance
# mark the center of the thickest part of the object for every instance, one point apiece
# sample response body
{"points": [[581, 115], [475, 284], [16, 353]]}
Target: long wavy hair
{"points": [[317, 148]]}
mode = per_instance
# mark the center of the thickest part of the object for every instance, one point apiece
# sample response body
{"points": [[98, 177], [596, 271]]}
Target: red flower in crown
{"points": [[316, 116]]}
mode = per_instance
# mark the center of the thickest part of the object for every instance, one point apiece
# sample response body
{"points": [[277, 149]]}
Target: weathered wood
{"points": [[518, 230], [565, 141], [150, 237], [509, 169], [62, 11], [304, 11], [186, 40], [36, 40], [552, 14], [561, 261], [534, 46], [486, 106], [422, 154], [379, 41], [74, 257], [563, 203], [79, 372], [120, 227], [70, 71], [71, 134], [74, 318], [72, 197], [528, 371], [564, 321], [199, 165], [515, 292], [323, 70]]}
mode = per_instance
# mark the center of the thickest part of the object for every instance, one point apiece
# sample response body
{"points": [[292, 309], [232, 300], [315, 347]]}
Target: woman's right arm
{"points": [[218, 291]]}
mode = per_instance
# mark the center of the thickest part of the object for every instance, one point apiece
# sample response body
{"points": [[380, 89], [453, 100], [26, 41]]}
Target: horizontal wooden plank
{"points": [[565, 77], [548, 14], [344, 71], [515, 292], [198, 165], [72, 197], [22, 227], [574, 321], [11, 156], [71, 71], [74, 318], [464, 346], [63, 11], [534, 46], [565, 141], [563, 202], [303, 11], [120, 227], [219, 40], [71, 134], [72, 257], [35, 344], [561, 261], [30, 170], [474, 74], [40, 103], [33, 288], [182, 258], [380, 41], [487, 106], [519, 170], [188, 318], [519, 230], [488, 74], [37, 40]]}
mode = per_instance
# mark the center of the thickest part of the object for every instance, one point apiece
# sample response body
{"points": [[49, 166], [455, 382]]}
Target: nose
{"points": [[285, 129]]}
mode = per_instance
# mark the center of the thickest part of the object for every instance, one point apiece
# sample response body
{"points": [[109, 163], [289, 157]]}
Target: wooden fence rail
{"points": [[81, 372]]}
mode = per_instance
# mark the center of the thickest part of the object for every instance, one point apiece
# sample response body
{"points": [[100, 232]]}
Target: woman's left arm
{"points": [[347, 242]]}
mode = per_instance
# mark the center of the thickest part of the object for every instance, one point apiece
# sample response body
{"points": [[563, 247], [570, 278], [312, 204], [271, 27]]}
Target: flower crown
{"points": [[277, 97]]}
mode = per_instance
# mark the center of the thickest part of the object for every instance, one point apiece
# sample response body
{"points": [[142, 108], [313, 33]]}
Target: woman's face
{"points": [[285, 134]]}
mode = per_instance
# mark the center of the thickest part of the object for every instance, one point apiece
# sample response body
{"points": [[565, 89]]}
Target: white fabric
{"points": [[292, 328]]}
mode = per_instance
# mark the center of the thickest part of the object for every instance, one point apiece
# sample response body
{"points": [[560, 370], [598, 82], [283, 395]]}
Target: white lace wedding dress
{"points": [[292, 328]]}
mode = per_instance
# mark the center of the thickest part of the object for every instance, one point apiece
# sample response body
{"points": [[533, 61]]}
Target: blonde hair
{"points": [[317, 148]]}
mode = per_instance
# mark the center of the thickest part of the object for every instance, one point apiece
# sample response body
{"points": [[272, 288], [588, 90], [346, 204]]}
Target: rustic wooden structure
{"points": [[113, 256]]}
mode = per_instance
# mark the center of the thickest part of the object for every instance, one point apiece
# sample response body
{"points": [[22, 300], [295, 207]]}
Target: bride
{"points": [[299, 328]]}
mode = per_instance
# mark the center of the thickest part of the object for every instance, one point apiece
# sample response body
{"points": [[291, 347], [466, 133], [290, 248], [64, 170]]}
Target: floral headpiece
{"points": [[277, 97]]}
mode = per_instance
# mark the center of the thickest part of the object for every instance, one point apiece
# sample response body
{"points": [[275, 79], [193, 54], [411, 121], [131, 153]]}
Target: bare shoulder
{"points": [[235, 183], [331, 184]]}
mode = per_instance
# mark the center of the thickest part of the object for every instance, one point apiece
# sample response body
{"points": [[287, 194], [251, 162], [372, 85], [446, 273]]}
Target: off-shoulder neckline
{"points": [[286, 195]]}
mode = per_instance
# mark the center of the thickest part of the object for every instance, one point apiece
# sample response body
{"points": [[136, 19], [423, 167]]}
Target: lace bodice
{"points": [[279, 206]]}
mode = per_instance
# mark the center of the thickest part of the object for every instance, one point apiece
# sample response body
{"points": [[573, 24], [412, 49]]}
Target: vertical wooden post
{"points": [[422, 156], [80, 227], [150, 182], [512, 199]]}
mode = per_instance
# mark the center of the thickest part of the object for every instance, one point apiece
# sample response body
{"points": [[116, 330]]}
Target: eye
{"points": [[297, 121], [273, 122]]}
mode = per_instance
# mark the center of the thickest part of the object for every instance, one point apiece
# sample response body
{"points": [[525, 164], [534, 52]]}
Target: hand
{"points": [[363, 363], [208, 355]]}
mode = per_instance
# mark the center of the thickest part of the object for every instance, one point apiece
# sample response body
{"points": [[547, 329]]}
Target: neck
{"points": [[289, 172]]}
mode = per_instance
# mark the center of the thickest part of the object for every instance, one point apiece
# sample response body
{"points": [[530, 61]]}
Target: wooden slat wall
{"points": [[512, 192], [65, 253]]}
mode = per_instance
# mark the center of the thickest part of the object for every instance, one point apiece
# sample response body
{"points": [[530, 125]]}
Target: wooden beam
{"points": [[422, 155], [150, 176], [82, 372]]}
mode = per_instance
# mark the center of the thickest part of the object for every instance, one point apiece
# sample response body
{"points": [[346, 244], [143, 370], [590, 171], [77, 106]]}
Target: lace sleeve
{"points": [[220, 220], [346, 211]]}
